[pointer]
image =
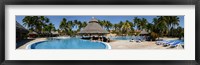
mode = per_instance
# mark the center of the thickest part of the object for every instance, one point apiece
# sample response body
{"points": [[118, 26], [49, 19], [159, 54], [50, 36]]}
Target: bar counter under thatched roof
{"points": [[93, 28]]}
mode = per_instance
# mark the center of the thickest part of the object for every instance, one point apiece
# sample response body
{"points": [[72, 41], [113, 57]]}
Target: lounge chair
{"points": [[138, 41], [168, 43], [131, 40], [175, 44], [161, 42]]}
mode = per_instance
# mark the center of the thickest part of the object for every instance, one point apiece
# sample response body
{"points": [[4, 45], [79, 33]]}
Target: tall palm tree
{"points": [[63, 25], [35, 23], [105, 24], [28, 22], [126, 27], [137, 22], [108, 25], [131, 24], [174, 21], [51, 27], [116, 27], [121, 24], [69, 27], [84, 24], [143, 23], [159, 27], [149, 27], [140, 23], [78, 25], [70, 24], [180, 32]]}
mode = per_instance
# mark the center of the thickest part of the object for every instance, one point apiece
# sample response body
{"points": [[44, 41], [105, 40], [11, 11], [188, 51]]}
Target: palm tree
{"points": [[105, 24], [143, 23], [51, 27], [137, 22], [180, 32], [84, 24], [131, 24], [35, 23], [27, 21], [78, 25], [120, 24], [149, 27], [140, 23], [116, 26], [63, 25], [174, 21], [108, 25], [69, 27], [126, 27]]}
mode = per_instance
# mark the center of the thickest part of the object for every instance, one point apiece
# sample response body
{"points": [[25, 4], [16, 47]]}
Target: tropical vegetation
{"points": [[160, 26]]}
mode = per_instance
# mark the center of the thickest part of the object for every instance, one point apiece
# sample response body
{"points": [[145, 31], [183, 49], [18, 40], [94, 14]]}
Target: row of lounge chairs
{"points": [[171, 43], [137, 40]]}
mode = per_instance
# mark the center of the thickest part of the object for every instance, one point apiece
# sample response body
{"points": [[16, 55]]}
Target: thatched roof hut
{"points": [[21, 32], [54, 32], [20, 28], [32, 33], [143, 32], [93, 28]]}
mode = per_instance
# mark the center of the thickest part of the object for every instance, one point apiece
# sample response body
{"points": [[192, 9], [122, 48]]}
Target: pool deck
{"points": [[118, 44], [33, 41], [125, 44]]}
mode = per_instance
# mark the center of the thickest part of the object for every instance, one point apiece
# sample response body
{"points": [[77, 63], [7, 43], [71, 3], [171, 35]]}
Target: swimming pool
{"points": [[69, 43]]}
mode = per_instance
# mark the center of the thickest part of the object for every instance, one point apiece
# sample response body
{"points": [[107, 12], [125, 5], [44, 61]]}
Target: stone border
{"points": [[107, 45], [29, 45]]}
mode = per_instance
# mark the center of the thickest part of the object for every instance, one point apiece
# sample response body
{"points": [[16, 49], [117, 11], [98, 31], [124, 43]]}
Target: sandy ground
{"points": [[165, 38], [125, 44], [119, 44]]}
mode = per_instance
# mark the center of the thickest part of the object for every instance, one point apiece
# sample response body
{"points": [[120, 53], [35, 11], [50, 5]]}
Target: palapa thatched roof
{"points": [[32, 33], [54, 32], [144, 32], [93, 20], [93, 28], [20, 28]]}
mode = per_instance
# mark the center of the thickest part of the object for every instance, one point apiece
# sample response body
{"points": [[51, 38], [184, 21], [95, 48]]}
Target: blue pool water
{"points": [[70, 43]]}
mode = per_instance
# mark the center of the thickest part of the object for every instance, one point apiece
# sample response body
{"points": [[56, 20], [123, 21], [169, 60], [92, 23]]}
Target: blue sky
{"points": [[113, 19]]}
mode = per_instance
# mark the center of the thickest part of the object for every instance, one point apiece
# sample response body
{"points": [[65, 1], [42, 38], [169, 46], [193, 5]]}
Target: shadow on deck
{"points": [[22, 42], [95, 38]]}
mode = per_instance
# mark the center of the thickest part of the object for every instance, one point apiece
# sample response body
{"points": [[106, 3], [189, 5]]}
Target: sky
{"points": [[113, 19]]}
